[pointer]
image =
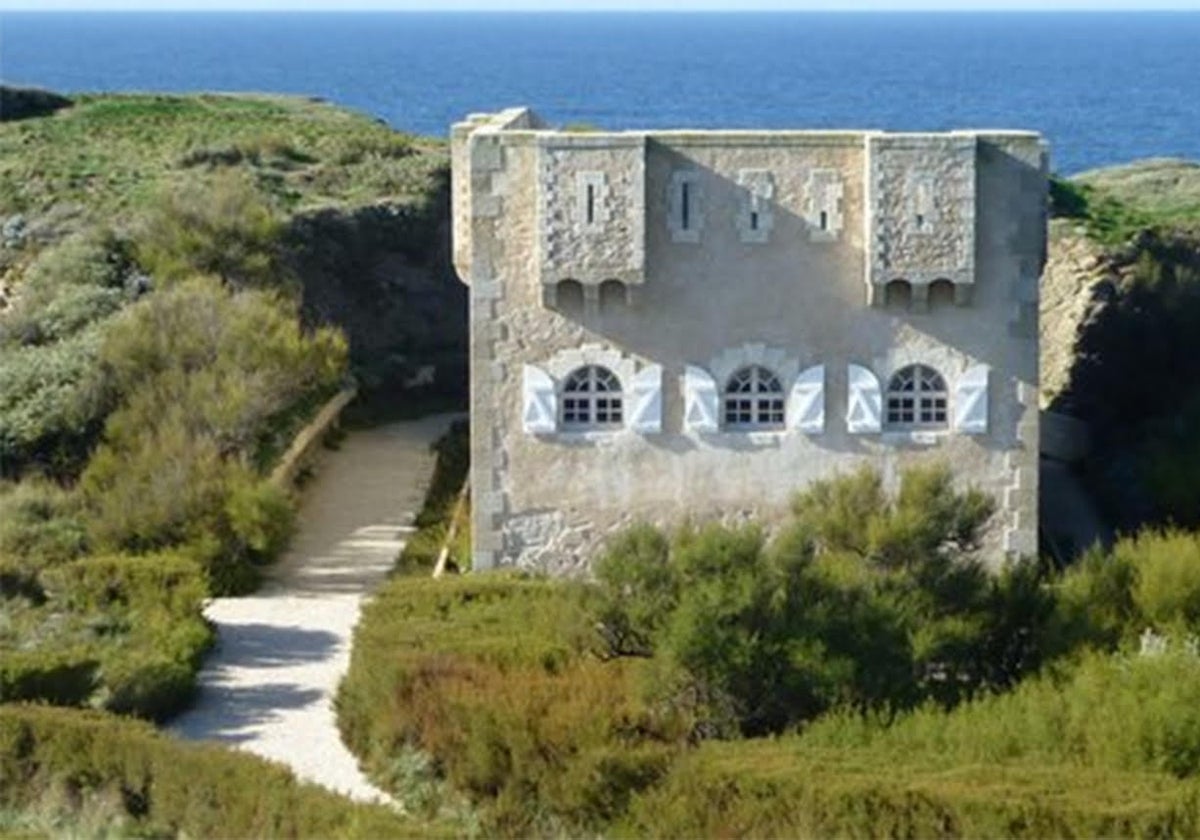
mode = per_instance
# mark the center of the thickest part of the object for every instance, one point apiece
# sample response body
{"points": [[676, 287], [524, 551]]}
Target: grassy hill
{"points": [[105, 155], [1165, 190]]}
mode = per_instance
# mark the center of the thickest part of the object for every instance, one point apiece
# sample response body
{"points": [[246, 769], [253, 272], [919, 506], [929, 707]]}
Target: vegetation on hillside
{"points": [[107, 154], [95, 775], [858, 673], [1127, 381], [1117, 203], [157, 354]]}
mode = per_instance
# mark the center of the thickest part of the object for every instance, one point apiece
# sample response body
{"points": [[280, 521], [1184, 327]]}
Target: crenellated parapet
{"points": [[591, 211], [920, 215]]}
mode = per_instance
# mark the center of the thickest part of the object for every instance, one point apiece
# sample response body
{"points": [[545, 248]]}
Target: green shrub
{"points": [[52, 400], [166, 787], [94, 258], [1136, 714], [65, 677], [863, 600], [68, 313], [493, 679], [166, 582], [780, 788], [115, 632], [40, 524], [147, 684], [220, 226], [641, 588], [1148, 580], [52, 393], [1166, 591], [205, 374]]}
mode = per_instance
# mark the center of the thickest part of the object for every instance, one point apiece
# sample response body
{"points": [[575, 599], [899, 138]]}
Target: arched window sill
{"points": [[585, 437], [915, 437]]}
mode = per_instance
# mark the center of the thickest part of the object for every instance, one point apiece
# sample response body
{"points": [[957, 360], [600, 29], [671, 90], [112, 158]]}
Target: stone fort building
{"points": [[697, 324]]}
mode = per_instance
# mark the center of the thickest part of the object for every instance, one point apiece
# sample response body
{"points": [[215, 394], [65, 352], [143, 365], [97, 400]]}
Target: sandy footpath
{"points": [[268, 686]]}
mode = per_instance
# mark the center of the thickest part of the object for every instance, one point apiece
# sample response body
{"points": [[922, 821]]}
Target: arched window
{"points": [[568, 296], [591, 399], [612, 295], [754, 399], [941, 293], [917, 398], [897, 294]]}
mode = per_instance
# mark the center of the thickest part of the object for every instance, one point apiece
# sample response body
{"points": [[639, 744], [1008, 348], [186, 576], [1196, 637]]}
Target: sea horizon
{"points": [[1104, 87]]}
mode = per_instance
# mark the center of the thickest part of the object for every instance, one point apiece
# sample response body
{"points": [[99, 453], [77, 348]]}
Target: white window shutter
{"points": [[646, 401], [539, 411], [971, 401], [700, 401], [864, 410], [806, 405]]}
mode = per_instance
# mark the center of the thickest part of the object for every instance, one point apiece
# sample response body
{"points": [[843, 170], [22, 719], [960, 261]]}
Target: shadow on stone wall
{"points": [[383, 273], [1135, 380]]}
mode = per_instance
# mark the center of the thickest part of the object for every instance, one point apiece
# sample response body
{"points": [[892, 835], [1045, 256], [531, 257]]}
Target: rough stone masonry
{"points": [[694, 324]]}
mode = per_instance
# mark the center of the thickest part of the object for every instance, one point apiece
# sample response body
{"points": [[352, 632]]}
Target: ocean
{"points": [[1104, 88]]}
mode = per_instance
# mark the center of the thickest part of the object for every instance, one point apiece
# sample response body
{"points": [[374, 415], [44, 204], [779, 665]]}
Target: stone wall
{"points": [[768, 269]]}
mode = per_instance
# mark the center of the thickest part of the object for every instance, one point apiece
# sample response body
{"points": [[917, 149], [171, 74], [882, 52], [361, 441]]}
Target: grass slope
{"points": [[108, 153]]}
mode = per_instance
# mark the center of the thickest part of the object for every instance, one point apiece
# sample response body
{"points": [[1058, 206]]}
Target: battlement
{"points": [[906, 202]]}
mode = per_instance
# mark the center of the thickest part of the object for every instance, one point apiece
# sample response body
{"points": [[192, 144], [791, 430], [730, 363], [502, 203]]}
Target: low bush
{"points": [[220, 226], [63, 677], [40, 524], [863, 600], [1150, 580], [52, 402], [53, 395], [162, 787], [205, 374], [1123, 713], [116, 632], [498, 680], [18, 103], [780, 788]]}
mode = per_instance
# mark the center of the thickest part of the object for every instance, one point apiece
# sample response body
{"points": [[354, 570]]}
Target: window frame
{"points": [[762, 392], [582, 401], [924, 390]]}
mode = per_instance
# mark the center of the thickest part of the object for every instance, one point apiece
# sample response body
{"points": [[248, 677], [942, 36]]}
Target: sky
{"points": [[595, 5]]}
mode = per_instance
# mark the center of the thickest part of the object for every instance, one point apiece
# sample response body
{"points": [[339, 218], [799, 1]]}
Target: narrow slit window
{"points": [[920, 221], [591, 204], [753, 220], [824, 220], [685, 205]]}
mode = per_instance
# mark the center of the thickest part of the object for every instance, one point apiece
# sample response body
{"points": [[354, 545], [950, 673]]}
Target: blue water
{"points": [[1104, 88]]}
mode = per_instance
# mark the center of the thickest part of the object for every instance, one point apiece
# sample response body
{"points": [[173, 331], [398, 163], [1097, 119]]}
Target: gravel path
{"points": [[269, 685]]}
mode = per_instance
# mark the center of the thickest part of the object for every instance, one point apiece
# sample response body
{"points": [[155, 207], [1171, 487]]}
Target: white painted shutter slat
{"points": [[864, 411], [806, 406], [646, 393], [700, 400], [539, 412], [971, 401]]}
